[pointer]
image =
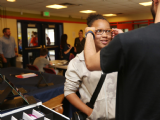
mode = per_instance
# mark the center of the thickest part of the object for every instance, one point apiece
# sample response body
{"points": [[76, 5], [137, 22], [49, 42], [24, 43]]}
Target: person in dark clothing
{"points": [[135, 55], [65, 48], [79, 43], [48, 43], [48, 40]]}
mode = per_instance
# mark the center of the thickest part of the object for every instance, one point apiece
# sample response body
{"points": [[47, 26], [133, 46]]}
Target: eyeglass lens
{"points": [[100, 32]]}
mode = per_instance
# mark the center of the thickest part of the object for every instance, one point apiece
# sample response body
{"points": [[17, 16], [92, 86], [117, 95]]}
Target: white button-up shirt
{"points": [[79, 77]]}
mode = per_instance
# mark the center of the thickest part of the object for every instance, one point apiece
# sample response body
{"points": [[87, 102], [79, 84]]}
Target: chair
{"points": [[49, 70], [32, 67], [71, 56]]}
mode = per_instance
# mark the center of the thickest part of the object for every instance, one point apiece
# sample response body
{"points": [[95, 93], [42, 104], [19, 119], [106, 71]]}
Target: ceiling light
{"points": [[55, 6], [11, 0], [109, 15], [146, 3], [87, 11]]}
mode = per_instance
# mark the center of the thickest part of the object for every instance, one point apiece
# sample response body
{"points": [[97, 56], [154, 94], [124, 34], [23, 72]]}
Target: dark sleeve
{"points": [[66, 48], [84, 39], [75, 42], [111, 56]]}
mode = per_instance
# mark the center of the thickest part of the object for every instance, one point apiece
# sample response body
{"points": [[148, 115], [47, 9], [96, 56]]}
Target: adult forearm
{"points": [[74, 100]]}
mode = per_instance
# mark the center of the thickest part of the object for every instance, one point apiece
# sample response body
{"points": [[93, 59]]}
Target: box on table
{"points": [[24, 107], [30, 111]]}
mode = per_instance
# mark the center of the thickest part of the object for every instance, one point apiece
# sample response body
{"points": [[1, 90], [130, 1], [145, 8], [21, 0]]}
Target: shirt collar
{"points": [[6, 37], [81, 55]]}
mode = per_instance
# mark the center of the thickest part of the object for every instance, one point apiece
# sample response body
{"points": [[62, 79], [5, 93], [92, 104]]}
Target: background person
{"points": [[79, 43], [48, 40], [79, 78], [29, 41], [65, 48], [41, 61], [135, 55], [34, 40], [8, 49], [48, 43]]}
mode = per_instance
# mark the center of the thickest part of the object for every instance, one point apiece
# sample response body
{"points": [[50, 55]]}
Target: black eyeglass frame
{"points": [[106, 31]]}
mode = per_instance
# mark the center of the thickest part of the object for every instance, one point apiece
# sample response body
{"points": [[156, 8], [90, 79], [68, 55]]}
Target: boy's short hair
{"points": [[43, 51]]}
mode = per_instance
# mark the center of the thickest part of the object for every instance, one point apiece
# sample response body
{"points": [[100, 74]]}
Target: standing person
{"points": [[79, 78], [34, 40], [135, 55], [48, 40], [8, 49], [48, 43], [29, 41], [79, 43], [65, 48]]}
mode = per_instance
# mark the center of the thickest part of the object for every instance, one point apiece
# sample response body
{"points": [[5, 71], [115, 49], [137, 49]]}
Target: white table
{"points": [[59, 64]]}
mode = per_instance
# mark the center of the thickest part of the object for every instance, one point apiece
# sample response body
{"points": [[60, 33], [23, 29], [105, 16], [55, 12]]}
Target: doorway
{"points": [[36, 35]]}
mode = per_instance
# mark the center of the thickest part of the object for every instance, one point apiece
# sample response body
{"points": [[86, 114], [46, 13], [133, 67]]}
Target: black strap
{"points": [[97, 90]]}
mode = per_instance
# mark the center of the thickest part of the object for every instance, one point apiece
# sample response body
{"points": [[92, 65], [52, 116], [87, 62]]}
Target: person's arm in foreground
{"points": [[92, 58]]}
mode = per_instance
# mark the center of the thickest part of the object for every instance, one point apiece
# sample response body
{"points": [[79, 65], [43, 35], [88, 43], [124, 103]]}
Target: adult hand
{"points": [[116, 32], [4, 60]]}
